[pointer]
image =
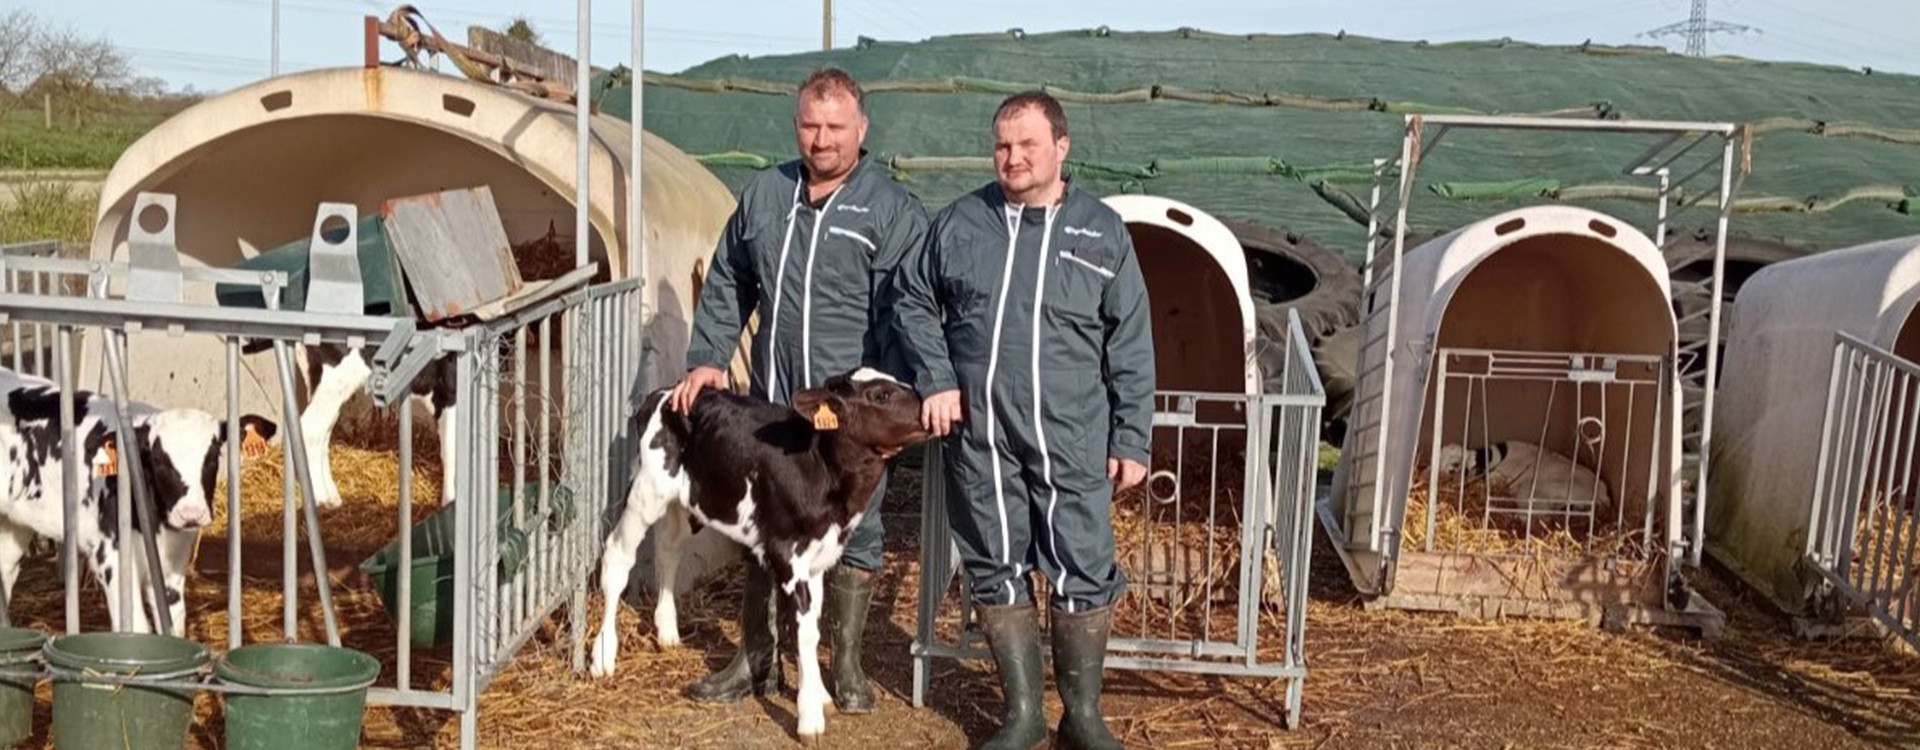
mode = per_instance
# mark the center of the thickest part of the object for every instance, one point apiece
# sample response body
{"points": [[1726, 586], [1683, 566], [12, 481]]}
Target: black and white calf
{"points": [[182, 454], [336, 373], [765, 476]]}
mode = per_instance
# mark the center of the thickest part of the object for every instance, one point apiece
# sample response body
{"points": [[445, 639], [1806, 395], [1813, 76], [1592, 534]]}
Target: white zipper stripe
{"points": [[853, 235], [1039, 426], [1083, 261], [806, 292], [1012, 217], [779, 283]]}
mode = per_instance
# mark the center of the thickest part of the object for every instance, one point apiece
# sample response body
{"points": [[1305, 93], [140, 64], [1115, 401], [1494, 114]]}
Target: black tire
{"points": [[1288, 271]]}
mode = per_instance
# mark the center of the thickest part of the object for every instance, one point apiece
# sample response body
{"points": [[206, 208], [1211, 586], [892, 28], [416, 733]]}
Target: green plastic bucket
{"points": [[324, 714], [430, 604], [89, 714], [19, 670]]}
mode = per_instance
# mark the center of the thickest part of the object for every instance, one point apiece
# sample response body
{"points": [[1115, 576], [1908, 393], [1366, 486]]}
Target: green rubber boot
{"points": [[1014, 633], [1079, 660], [754, 669]]}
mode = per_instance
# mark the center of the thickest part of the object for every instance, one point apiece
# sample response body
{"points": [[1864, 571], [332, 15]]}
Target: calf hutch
{"points": [[1222, 528], [1814, 468], [1542, 335]]}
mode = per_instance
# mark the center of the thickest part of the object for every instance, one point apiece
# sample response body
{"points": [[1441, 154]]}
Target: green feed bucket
{"points": [[19, 670], [325, 698], [92, 713], [431, 599]]}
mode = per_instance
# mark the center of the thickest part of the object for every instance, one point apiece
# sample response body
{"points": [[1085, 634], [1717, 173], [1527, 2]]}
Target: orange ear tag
{"points": [[824, 419], [112, 465], [252, 446]]}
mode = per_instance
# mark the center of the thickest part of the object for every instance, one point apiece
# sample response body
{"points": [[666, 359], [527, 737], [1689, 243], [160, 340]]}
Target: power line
{"points": [[1696, 28]]}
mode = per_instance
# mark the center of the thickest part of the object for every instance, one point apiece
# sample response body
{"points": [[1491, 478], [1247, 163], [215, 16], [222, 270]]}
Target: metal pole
{"points": [[826, 24], [273, 68], [132, 476], [636, 190], [233, 493], [403, 625], [582, 76], [69, 475], [315, 547], [1699, 541]]}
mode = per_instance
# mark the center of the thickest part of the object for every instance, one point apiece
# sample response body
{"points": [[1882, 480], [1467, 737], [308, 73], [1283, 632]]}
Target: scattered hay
{"points": [[1461, 524]]}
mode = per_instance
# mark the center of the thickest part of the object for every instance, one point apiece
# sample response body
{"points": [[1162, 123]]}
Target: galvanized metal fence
{"points": [[1220, 537], [1581, 467], [536, 445], [1862, 535]]}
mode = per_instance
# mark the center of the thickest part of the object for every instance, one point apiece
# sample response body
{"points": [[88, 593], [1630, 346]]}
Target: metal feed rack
{"points": [[1673, 160], [510, 574], [1166, 621], [1863, 524]]}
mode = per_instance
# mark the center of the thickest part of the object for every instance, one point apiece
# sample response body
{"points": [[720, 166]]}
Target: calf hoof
{"points": [[605, 653]]}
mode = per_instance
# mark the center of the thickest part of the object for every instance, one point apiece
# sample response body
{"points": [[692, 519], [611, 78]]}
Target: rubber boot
{"points": [[754, 669], [849, 591], [1013, 631], [1079, 660]]}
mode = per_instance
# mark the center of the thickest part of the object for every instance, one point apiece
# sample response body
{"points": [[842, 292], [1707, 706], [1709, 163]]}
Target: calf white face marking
{"points": [[866, 374]]}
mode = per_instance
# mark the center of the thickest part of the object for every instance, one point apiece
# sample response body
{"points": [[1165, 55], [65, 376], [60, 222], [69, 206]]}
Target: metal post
{"points": [[636, 183], [1815, 532], [132, 483], [316, 548], [69, 476], [1698, 544], [826, 25], [464, 543], [233, 493], [583, 75], [403, 620]]}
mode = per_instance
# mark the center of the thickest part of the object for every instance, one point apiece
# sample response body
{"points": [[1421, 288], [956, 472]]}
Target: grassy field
{"points": [[47, 211], [26, 144]]}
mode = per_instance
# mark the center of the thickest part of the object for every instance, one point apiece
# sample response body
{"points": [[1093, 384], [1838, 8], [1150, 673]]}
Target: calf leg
{"points": [[176, 555], [812, 702], [14, 540], [668, 536], [336, 384], [644, 507]]}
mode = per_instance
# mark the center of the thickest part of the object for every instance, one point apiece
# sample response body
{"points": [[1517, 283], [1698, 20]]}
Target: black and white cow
{"points": [[182, 452], [337, 373], [767, 477]]}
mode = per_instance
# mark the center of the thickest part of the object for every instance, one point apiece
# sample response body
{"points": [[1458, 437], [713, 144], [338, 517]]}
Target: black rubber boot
{"points": [[1014, 633], [754, 670], [849, 591], [1079, 660]]}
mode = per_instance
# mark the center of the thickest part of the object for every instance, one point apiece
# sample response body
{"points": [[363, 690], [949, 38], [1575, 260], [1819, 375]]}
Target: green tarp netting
{"points": [[1281, 129]]}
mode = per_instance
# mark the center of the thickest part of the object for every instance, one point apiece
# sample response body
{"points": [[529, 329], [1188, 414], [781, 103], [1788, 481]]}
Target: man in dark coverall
{"points": [[813, 246], [1026, 308]]}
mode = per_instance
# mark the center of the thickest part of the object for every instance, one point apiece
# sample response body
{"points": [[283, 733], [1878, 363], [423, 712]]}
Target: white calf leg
{"points": [[813, 700], [616, 562], [668, 537], [448, 442], [337, 384], [14, 540]]}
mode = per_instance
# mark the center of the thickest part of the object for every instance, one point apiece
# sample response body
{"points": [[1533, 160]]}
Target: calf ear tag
{"points": [[252, 446], [111, 466], [825, 420]]}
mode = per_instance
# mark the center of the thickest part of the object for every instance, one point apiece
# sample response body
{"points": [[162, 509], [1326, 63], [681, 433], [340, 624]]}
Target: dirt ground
{"points": [[1377, 679]]}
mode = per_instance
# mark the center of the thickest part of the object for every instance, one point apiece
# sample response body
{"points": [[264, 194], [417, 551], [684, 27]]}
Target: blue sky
{"points": [[213, 45]]}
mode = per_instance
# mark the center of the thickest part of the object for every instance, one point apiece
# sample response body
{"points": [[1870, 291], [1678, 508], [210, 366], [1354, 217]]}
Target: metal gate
{"points": [[1862, 533], [540, 440], [1221, 531], [1588, 478]]}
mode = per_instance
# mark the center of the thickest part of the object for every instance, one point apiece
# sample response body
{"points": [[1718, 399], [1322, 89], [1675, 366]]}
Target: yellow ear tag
{"points": [[252, 446], [824, 419], [112, 465]]}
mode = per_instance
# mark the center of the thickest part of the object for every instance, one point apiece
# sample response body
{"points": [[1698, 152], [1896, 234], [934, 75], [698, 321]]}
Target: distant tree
{"points": [[19, 35], [521, 29], [83, 74]]}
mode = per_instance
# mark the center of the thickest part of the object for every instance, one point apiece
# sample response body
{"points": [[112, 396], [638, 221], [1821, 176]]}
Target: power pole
{"points": [[1696, 28], [273, 66], [826, 25]]}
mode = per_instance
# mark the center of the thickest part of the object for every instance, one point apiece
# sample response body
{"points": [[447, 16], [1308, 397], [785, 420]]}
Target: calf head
{"points": [[182, 452], [1454, 459], [867, 407]]}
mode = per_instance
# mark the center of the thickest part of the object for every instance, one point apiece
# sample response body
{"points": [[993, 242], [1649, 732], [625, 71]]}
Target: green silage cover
{"points": [[1245, 127]]}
